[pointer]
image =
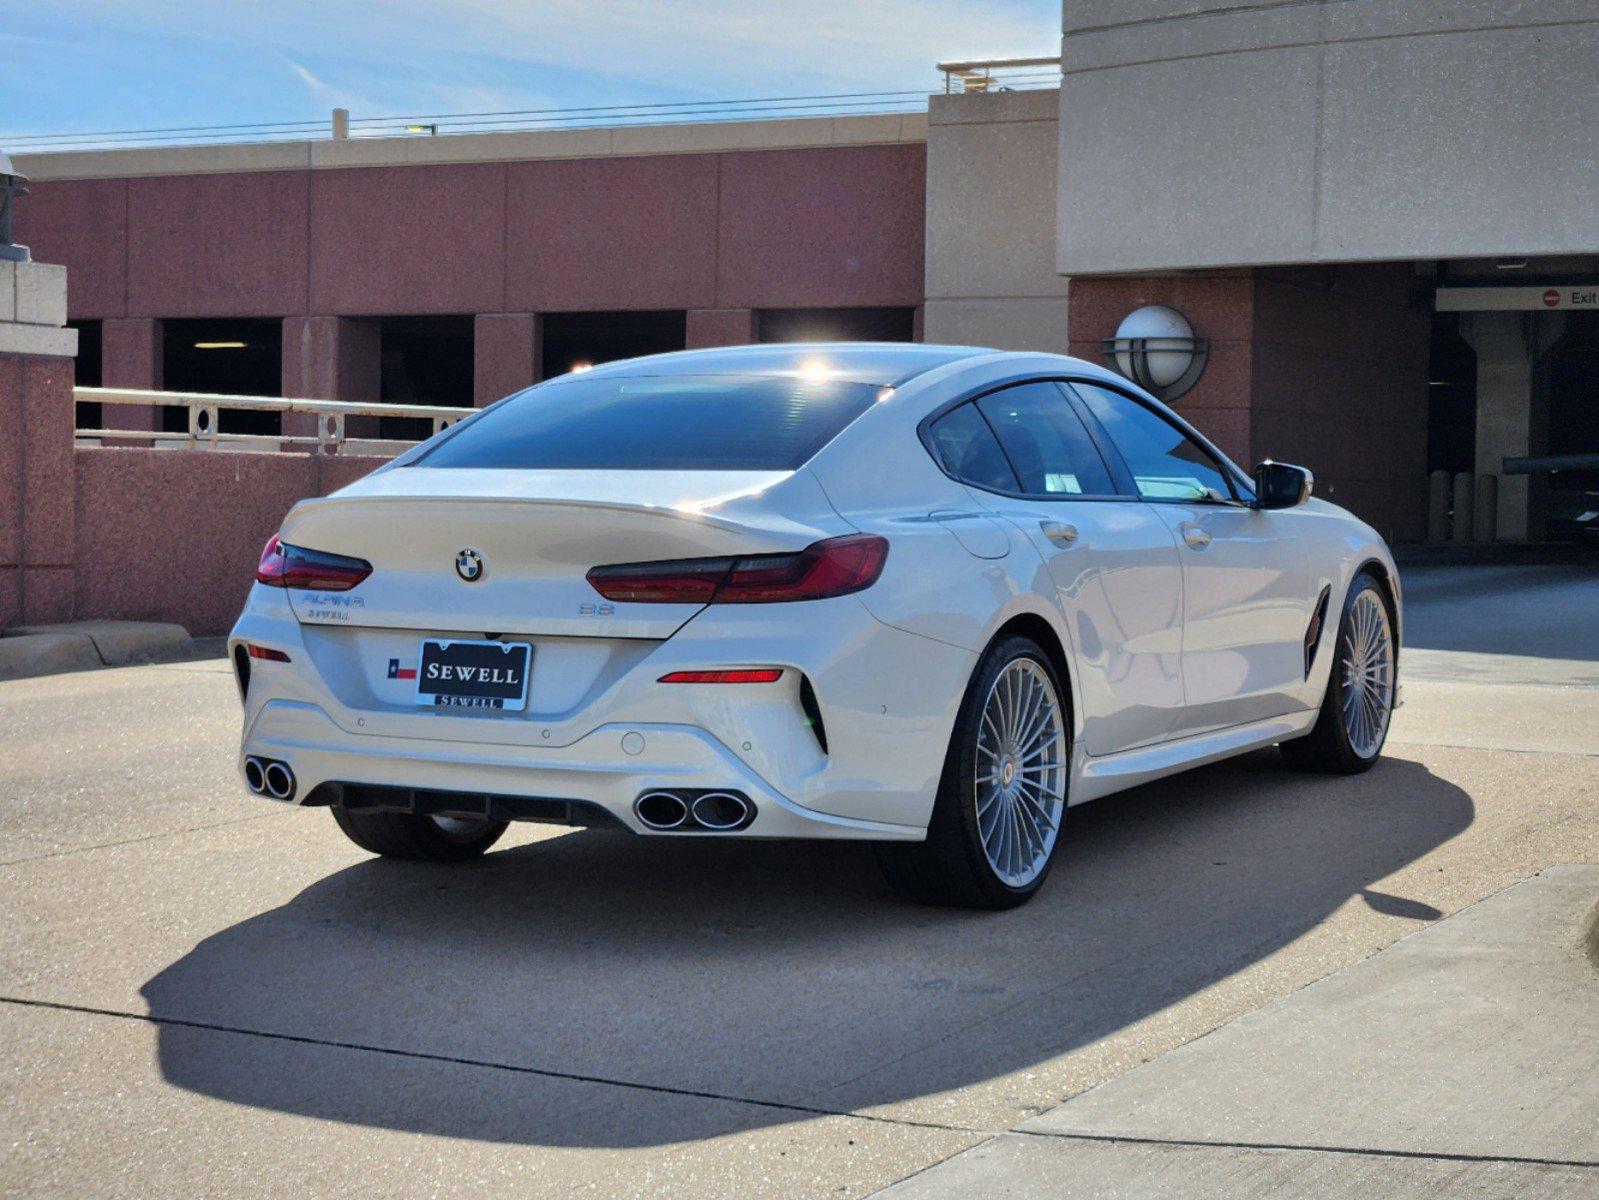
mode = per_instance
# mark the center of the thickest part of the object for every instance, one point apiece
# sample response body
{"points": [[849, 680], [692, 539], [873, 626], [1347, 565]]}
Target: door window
{"points": [[966, 447], [1046, 442], [1165, 462]]}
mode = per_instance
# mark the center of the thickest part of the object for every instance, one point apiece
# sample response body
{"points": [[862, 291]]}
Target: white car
{"points": [[924, 596]]}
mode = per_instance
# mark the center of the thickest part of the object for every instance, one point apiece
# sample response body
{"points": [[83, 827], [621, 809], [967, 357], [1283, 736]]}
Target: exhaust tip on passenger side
{"points": [[721, 810], [279, 781], [254, 775]]}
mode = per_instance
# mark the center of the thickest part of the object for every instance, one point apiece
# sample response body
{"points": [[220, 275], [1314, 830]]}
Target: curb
{"points": [[29, 650]]}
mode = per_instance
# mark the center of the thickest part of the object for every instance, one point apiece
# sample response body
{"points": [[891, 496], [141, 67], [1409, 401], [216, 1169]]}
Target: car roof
{"points": [[882, 363]]}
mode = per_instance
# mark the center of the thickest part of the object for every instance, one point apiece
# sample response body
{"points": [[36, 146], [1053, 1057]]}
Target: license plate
{"points": [[473, 674]]}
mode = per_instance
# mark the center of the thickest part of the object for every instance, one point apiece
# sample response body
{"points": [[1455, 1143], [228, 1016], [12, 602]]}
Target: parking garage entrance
{"points": [[1517, 368]]}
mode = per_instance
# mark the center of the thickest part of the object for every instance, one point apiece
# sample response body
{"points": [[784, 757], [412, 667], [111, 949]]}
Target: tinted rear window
{"points": [[767, 423]]}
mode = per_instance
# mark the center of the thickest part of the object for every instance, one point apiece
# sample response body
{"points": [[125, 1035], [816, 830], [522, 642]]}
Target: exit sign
{"points": [[1517, 299]]}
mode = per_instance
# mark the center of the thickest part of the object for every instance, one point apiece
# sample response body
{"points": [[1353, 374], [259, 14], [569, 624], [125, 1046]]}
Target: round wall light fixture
{"points": [[1156, 348]]}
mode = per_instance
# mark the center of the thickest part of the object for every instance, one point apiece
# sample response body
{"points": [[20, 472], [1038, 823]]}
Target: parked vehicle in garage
{"points": [[923, 596]]}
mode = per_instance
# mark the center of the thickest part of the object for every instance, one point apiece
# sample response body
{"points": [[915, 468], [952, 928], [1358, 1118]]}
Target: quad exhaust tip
{"points": [[720, 810], [279, 781], [661, 810], [693, 811], [268, 777]]}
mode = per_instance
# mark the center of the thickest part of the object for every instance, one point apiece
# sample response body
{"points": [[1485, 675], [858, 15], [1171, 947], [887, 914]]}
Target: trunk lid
{"points": [[536, 534]]}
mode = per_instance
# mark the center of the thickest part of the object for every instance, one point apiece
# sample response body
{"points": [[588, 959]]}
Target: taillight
{"points": [[286, 566], [266, 653], [834, 567]]}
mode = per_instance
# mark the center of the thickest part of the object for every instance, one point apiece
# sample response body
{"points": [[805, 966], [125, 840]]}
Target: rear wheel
{"points": [[423, 839], [996, 821], [1353, 724]]}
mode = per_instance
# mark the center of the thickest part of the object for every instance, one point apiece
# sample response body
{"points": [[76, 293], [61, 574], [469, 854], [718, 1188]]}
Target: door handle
{"points": [[1059, 532], [1196, 537]]}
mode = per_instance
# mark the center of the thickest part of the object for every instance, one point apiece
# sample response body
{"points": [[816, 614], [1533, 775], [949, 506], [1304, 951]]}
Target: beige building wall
{"points": [[1278, 131], [991, 177]]}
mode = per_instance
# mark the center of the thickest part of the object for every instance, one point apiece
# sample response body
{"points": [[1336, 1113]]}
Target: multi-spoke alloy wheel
{"points": [[1361, 687], [1366, 674], [1020, 773], [995, 826]]}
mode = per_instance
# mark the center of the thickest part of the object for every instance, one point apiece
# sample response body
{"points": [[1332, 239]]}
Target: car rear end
{"points": [[664, 637]]}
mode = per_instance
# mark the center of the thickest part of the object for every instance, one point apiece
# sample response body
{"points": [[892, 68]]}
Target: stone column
{"points": [[130, 357], [507, 354], [331, 358], [38, 522], [1504, 408], [708, 327]]}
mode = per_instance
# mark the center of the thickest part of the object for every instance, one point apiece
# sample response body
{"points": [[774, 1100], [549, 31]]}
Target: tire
{"points": [[1350, 730], [420, 839], [957, 866]]}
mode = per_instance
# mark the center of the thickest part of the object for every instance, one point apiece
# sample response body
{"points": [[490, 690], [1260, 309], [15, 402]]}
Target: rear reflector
{"points": [[833, 567], [754, 675], [269, 655], [286, 566]]}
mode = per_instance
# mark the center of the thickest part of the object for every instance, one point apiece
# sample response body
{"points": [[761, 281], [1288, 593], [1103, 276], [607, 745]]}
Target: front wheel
{"points": [[1349, 733], [996, 821], [419, 838]]}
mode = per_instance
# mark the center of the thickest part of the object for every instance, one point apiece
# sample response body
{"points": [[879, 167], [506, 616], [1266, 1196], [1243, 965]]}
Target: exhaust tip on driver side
{"points": [[661, 810], [255, 775]]}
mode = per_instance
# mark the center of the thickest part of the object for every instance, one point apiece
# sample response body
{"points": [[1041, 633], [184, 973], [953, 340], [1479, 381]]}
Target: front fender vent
{"points": [[1313, 634]]}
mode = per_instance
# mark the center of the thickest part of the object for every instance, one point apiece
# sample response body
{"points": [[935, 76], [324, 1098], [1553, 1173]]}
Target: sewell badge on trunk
{"points": [[473, 674]]}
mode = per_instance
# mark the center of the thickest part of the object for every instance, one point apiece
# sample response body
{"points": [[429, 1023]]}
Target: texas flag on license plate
{"points": [[396, 671]]}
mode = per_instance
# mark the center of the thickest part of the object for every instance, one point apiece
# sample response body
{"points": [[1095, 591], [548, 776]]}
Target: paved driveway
{"points": [[203, 993]]}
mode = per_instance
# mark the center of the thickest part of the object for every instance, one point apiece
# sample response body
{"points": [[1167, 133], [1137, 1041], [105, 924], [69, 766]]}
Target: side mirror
{"points": [[1282, 485]]}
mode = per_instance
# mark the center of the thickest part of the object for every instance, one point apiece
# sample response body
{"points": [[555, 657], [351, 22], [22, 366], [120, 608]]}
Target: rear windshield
{"points": [[720, 423]]}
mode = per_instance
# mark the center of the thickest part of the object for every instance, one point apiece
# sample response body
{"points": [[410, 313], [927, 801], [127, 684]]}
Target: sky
{"points": [[82, 65]]}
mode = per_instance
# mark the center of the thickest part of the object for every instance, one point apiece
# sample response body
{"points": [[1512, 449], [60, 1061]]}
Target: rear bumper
{"points": [[597, 770]]}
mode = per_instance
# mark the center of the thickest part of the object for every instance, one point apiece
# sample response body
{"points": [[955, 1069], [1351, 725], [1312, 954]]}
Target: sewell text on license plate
{"points": [[473, 674]]}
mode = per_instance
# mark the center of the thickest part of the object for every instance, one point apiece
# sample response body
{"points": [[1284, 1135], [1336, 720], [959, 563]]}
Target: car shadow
{"points": [[490, 1001]]}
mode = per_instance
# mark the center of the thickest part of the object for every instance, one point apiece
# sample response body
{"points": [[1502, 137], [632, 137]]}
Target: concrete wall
{"points": [[1280, 131], [991, 177], [821, 221], [138, 556], [1321, 366], [36, 488]]}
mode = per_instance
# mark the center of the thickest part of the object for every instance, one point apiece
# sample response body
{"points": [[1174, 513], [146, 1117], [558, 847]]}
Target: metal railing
{"points": [[765, 108], [1001, 74], [205, 410]]}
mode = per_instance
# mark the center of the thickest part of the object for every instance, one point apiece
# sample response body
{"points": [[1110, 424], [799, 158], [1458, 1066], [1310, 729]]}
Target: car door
{"points": [[1248, 595], [1111, 562]]}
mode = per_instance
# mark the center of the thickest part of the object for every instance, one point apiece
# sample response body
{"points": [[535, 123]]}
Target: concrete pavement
{"points": [[203, 993], [1465, 1057]]}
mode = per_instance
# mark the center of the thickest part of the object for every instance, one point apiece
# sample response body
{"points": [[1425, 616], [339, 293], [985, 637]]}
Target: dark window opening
{"points": [[838, 325], [230, 357], [1451, 398], [86, 373], [425, 360], [573, 341]]}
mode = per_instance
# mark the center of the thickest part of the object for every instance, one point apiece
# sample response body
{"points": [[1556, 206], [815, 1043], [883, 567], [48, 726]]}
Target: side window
{"points": [[966, 447], [1165, 462], [1046, 441]]}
